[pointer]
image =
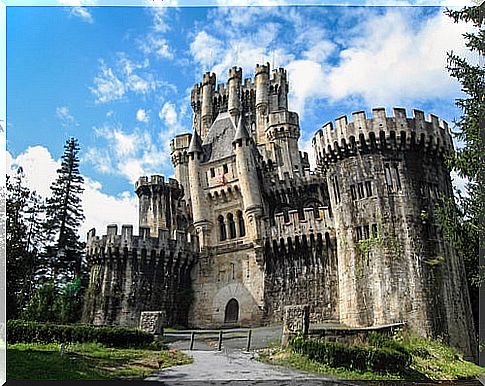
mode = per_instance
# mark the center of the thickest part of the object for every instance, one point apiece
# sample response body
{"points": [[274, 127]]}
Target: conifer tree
{"points": [[463, 219], [64, 215]]}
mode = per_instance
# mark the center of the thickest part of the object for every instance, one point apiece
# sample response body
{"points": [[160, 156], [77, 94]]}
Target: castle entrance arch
{"points": [[232, 311]]}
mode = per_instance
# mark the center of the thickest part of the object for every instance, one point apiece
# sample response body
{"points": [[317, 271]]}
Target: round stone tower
{"points": [[386, 175]]}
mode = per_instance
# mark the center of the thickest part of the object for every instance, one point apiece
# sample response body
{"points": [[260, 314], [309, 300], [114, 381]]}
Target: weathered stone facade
{"points": [[248, 228]]}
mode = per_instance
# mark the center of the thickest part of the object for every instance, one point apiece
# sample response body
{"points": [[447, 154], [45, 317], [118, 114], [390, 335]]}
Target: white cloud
{"points": [[129, 154], [113, 84], [64, 115], [153, 44], [142, 116], [82, 13], [388, 57], [100, 209], [107, 86]]}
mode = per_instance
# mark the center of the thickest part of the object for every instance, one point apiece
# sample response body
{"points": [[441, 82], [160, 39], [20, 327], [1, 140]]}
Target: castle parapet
{"points": [[313, 221], [178, 242], [342, 137]]}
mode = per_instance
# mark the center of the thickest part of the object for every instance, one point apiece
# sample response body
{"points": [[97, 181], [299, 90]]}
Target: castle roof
{"points": [[195, 145], [241, 131], [218, 142]]}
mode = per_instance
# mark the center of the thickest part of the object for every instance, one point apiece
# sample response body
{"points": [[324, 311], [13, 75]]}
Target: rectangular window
{"points": [[358, 233], [396, 175], [336, 189], [366, 232], [368, 188], [353, 192], [387, 171], [374, 230], [225, 169], [213, 173], [361, 190]]}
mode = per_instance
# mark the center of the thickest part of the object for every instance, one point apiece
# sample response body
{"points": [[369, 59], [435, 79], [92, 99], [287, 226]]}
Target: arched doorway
{"points": [[232, 311]]}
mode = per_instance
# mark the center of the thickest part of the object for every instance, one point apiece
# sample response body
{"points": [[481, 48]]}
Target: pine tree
{"points": [[463, 220], [64, 215]]}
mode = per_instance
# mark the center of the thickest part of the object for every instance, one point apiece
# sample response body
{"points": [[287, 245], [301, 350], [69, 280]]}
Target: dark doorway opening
{"points": [[232, 311]]}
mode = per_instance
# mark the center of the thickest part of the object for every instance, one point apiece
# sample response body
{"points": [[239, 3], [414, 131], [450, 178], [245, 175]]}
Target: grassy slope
{"points": [[85, 361], [432, 360]]}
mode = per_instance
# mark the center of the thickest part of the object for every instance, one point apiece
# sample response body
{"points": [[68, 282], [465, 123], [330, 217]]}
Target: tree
{"points": [[463, 221], [23, 240], [64, 215]]}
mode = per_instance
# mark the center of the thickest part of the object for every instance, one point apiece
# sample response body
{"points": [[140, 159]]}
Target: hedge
{"points": [[20, 331], [334, 354]]}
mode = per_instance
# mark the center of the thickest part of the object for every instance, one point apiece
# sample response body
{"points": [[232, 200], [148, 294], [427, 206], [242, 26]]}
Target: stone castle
{"points": [[246, 227]]}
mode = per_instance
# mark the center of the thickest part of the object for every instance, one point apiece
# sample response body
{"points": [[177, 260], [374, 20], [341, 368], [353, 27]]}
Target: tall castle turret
{"points": [[248, 178], [385, 176]]}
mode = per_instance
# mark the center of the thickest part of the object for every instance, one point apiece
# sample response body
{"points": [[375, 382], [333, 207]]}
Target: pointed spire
{"points": [[195, 143], [241, 132]]}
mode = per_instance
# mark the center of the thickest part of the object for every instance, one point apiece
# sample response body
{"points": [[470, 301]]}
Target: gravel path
{"points": [[234, 368]]}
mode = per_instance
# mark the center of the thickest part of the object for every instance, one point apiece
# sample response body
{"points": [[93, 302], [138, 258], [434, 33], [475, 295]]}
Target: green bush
{"points": [[334, 354], [19, 331]]}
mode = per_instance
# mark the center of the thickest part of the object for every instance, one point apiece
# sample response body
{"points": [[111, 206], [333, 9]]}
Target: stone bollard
{"points": [[152, 322], [296, 321]]}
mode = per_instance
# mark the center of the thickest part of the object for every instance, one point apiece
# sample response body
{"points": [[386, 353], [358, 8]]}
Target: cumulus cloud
{"points": [[142, 116], [100, 208]]}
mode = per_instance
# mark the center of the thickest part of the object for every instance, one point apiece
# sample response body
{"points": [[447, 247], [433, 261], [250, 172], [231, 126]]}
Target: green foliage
{"points": [[23, 239], [19, 331], [461, 221], [334, 354], [419, 358], [42, 305]]}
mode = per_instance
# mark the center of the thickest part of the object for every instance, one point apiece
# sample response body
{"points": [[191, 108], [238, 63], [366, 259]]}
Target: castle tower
{"points": [[234, 90], [261, 79], [207, 109], [196, 189], [158, 203], [248, 178], [385, 176], [180, 160]]}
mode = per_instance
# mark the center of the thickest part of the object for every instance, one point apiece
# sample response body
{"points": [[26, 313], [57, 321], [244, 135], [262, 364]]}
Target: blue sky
{"points": [[119, 79]]}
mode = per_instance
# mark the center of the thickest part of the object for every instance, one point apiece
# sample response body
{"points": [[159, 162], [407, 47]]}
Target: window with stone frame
{"points": [[368, 188], [232, 226], [222, 228]]}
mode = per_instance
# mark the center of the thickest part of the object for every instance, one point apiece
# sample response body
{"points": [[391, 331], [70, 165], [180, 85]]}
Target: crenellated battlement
{"points": [[156, 180], [312, 222], [177, 242], [281, 118], [299, 180], [235, 72], [209, 78], [261, 69], [336, 139]]}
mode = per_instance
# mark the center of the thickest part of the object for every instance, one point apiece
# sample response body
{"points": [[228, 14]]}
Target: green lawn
{"points": [[86, 361], [431, 360]]}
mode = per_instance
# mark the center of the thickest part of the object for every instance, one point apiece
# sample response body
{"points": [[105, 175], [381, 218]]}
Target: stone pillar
{"points": [[152, 322], [296, 321]]}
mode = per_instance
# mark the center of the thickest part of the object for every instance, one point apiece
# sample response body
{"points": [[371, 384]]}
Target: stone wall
{"points": [[130, 274], [302, 270]]}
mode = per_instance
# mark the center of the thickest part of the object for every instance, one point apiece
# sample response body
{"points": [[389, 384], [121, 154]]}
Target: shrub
{"points": [[334, 354], [19, 331]]}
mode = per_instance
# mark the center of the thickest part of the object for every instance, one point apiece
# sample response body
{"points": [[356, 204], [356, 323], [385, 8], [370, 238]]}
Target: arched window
{"points": [[240, 221], [222, 228], [232, 226]]}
